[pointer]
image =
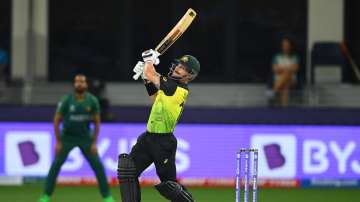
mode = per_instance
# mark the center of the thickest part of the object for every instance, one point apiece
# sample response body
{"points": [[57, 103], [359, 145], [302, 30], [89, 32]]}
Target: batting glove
{"points": [[151, 56], [139, 70]]}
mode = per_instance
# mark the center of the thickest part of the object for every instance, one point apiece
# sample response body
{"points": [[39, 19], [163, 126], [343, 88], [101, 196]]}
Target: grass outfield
{"points": [[30, 193]]}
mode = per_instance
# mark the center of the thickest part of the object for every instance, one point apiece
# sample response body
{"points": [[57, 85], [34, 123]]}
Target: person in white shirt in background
{"points": [[285, 66]]}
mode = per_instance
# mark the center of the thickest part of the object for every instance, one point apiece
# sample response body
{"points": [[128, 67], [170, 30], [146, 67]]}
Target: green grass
{"points": [[30, 193]]}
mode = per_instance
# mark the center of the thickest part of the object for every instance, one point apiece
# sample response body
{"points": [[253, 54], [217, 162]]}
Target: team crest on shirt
{"points": [[184, 59], [72, 108], [165, 79], [88, 109]]}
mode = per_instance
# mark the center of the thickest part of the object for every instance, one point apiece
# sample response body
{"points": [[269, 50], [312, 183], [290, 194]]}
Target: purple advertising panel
{"points": [[204, 151]]}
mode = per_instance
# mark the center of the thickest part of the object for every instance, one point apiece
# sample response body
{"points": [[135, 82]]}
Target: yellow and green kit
{"points": [[167, 107], [158, 144]]}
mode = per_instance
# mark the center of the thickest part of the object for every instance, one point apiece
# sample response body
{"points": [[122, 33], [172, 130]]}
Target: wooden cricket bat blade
{"points": [[177, 31]]}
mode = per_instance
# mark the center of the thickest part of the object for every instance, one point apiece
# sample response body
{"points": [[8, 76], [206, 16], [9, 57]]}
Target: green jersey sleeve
{"points": [[62, 105], [96, 105]]}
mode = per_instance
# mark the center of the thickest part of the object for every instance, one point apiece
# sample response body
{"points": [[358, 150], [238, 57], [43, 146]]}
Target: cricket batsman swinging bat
{"points": [[174, 34]]}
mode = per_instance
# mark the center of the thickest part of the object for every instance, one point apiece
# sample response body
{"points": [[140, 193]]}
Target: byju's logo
{"points": [[274, 157], [27, 153], [277, 154]]}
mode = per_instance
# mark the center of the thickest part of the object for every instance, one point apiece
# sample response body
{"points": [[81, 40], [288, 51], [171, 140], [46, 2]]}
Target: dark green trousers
{"points": [[93, 159]]}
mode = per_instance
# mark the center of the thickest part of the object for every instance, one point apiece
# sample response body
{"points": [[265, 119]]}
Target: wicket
{"points": [[246, 153]]}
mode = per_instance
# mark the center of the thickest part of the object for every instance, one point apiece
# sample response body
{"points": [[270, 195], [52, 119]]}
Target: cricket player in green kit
{"points": [[76, 111], [158, 144]]}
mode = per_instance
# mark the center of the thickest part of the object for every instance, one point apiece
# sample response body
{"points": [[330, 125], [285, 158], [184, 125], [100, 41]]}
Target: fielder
{"points": [[158, 144], [77, 110]]}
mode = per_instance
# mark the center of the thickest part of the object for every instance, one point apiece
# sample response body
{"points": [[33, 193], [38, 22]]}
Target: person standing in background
{"points": [[76, 110], [4, 65], [285, 66]]}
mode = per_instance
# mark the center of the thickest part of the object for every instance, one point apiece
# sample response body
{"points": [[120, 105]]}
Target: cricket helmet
{"points": [[191, 63]]}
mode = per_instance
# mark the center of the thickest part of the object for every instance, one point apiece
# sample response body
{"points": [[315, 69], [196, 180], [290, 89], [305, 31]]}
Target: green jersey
{"points": [[167, 107], [77, 114]]}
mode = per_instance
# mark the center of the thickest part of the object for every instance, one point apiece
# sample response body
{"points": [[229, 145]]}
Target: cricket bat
{"points": [[174, 34]]}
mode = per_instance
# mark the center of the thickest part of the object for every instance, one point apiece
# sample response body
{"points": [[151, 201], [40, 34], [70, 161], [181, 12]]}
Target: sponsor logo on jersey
{"points": [[72, 108]]}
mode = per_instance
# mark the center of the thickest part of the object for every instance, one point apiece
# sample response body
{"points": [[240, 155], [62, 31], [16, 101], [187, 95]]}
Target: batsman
{"points": [[158, 144], [76, 111]]}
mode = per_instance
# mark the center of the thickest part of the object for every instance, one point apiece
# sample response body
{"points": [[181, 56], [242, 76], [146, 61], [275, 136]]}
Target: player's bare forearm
{"points": [[97, 121], [57, 120], [151, 74]]}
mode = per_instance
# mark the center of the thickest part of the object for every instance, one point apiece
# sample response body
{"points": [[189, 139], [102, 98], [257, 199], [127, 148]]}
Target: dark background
{"points": [[5, 24], [234, 40], [352, 28]]}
